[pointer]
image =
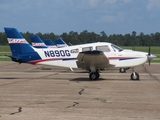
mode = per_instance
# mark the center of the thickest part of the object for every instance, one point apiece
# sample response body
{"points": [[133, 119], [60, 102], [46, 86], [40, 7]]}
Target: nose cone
{"points": [[151, 56]]}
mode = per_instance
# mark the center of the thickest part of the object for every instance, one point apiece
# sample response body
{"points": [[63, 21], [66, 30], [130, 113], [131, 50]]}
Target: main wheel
{"points": [[94, 75], [122, 70], [135, 76]]}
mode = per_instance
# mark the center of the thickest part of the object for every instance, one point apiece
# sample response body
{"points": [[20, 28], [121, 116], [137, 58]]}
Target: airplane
{"points": [[37, 42], [93, 57], [60, 43], [49, 43]]}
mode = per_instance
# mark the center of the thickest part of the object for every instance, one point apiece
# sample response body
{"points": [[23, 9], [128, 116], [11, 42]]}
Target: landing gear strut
{"points": [[134, 75]]}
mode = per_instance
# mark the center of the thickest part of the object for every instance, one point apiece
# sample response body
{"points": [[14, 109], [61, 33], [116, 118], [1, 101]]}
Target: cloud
{"points": [[93, 3], [110, 1], [126, 1], [111, 18], [153, 4]]}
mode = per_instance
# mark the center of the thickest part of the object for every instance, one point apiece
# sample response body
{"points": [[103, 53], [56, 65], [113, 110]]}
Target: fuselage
{"points": [[66, 56]]}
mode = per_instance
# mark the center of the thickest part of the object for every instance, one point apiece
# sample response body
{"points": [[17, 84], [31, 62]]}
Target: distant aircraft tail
{"points": [[37, 42], [60, 43], [22, 51], [49, 43]]}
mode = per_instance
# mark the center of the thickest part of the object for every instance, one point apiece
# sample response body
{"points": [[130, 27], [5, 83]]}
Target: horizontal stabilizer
{"points": [[15, 59]]}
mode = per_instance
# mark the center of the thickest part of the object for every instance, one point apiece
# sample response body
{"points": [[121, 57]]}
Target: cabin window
{"points": [[74, 51], [87, 49], [104, 48], [116, 48]]}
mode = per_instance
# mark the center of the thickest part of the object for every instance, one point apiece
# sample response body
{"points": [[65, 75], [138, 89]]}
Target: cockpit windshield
{"points": [[116, 48]]}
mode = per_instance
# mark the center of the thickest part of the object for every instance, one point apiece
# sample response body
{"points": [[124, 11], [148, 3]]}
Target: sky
{"points": [[63, 16]]}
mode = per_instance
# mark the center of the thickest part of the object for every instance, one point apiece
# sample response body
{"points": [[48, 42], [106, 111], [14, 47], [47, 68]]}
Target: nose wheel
{"points": [[134, 75]]}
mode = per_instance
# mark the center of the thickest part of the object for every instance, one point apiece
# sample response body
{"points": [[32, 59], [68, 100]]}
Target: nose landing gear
{"points": [[134, 75]]}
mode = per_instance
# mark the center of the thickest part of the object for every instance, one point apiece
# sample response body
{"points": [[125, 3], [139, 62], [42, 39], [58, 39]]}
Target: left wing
{"points": [[96, 59]]}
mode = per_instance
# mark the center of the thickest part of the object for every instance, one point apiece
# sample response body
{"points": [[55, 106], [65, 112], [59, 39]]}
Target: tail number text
{"points": [[57, 53]]}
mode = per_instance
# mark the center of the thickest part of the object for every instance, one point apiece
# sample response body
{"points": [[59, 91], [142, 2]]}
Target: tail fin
{"points": [[20, 48], [60, 43], [49, 43], [37, 42]]}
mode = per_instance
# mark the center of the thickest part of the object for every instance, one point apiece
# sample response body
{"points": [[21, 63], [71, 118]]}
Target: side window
{"points": [[104, 48], [87, 49], [74, 51]]}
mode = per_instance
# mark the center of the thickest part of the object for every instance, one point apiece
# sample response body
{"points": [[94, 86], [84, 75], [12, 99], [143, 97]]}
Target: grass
{"points": [[154, 50], [4, 48], [3, 51]]}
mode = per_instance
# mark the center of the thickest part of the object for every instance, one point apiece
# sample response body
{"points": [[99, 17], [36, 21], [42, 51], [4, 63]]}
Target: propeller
{"points": [[150, 56], [149, 53]]}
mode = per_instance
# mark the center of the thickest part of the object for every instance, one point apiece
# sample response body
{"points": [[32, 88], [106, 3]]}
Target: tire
{"points": [[122, 70], [94, 76], [135, 76]]}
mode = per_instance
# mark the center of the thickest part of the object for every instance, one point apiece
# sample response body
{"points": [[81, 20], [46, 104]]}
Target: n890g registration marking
{"points": [[57, 53]]}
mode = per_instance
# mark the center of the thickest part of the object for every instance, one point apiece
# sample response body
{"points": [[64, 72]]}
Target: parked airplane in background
{"points": [[94, 57], [60, 43], [37, 42], [49, 43]]}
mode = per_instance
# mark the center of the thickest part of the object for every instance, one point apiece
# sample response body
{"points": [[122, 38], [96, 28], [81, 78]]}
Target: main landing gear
{"points": [[123, 70], [94, 75]]}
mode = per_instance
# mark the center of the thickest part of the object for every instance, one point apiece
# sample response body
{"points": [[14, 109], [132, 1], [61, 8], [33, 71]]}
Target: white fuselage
{"points": [[67, 56]]}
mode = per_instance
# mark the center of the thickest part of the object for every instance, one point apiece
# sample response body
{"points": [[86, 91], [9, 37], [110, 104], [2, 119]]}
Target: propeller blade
{"points": [[149, 61], [149, 51]]}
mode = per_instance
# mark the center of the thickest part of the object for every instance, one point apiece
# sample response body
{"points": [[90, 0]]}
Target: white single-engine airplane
{"points": [[94, 57]]}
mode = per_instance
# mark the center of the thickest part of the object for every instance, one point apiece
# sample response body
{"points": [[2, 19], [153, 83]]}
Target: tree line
{"points": [[74, 38]]}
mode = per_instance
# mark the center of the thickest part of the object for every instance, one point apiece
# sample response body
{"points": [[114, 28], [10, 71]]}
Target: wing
{"points": [[96, 58]]}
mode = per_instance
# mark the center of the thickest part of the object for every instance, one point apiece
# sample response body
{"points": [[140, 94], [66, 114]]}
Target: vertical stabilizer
{"points": [[21, 50], [17, 42], [60, 43], [49, 43], [37, 42]]}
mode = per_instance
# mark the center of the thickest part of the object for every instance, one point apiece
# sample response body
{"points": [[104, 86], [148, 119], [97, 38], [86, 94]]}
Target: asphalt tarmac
{"points": [[29, 92]]}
